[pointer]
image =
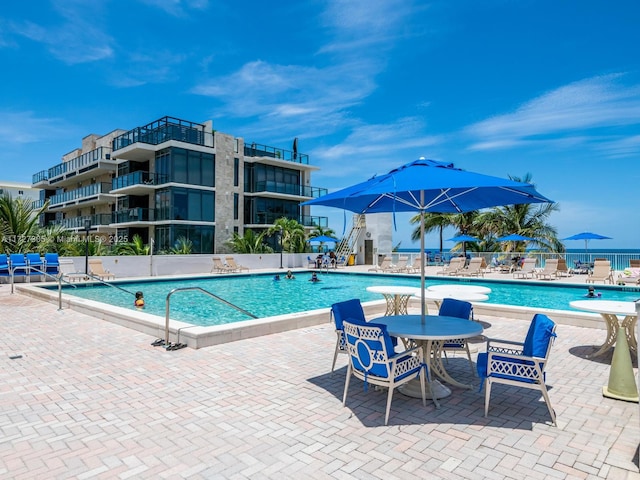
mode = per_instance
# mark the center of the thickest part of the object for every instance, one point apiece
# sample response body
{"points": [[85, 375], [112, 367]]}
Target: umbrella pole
{"points": [[422, 300]]}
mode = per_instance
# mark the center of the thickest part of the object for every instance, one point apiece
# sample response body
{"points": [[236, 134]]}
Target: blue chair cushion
{"points": [[538, 337], [482, 367], [451, 307], [348, 309]]}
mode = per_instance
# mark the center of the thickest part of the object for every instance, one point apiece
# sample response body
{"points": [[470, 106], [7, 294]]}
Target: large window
{"points": [[267, 210], [201, 237], [186, 166], [185, 204], [261, 178]]}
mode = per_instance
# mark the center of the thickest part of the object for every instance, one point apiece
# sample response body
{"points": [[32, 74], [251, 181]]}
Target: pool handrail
{"points": [[168, 306]]}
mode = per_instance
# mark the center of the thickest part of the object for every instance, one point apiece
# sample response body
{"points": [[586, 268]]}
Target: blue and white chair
{"points": [[341, 311], [457, 308], [520, 364], [372, 360]]}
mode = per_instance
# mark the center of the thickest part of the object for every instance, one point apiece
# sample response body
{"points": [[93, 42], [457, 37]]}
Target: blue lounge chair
{"points": [[35, 263], [520, 364], [51, 264], [18, 264]]}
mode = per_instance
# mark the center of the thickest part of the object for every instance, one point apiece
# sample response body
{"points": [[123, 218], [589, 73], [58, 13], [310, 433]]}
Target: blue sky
{"points": [[497, 87]]}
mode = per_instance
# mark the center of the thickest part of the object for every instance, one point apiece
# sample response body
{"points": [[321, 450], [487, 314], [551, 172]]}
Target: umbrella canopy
{"points": [[586, 236], [463, 238], [514, 237], [323, 239], [429, 186]]}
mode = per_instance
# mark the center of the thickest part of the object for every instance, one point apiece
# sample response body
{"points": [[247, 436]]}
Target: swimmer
{"points": [[139, 301], [314, 278], [290, 275], [276, 278], [592, 292]]}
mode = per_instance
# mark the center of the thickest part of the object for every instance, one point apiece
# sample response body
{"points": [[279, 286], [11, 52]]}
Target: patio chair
{"points": [[456, 308], [4, 265], [35, 263], [311, 263], [96, 269], [341, 311], [520, 364], [474, 269], [384, 265], [18, 264], [528, 269], [454, 266], [372, 360], [68, 270], [219, 267], [550, 270], [51, 264], [601, 272], [231, 262]]}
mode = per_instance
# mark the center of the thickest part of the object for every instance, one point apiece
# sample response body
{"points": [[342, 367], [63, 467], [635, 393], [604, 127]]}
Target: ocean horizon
{"points": [[568, 250]]}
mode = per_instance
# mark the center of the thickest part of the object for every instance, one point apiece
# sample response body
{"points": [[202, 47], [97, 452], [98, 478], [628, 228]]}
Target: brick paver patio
{"points": [[86, 399]]}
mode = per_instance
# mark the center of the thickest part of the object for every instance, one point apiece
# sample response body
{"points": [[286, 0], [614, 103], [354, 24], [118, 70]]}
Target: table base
{"points": [[412, 389], [613, 325]]}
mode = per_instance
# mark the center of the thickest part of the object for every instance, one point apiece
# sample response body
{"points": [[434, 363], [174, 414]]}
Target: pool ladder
{"points": [[202, 290]]}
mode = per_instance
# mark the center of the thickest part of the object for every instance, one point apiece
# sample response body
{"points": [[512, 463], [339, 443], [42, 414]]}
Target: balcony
{"points": [[94, 193], [160, 131], [90, 164], [137, 183], [258, 150], [77, 223], [40, 179], [132, 216], [289, 189], [263, 218]]}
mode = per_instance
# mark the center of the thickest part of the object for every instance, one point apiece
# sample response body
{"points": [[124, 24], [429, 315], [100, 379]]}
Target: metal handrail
{"points": [[168, 306]]}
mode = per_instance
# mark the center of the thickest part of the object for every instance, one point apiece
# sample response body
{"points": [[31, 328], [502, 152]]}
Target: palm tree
{"points": [[249, 243], [19, 229], [432, 221], [292, 234], [319, 231], [183, 246], [135, 247]]}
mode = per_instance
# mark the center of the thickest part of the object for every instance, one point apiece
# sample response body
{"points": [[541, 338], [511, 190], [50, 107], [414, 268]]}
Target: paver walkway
{"points": [[86, 399]]}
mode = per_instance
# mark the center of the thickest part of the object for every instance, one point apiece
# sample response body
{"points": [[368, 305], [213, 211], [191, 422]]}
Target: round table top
{"points": [[459, 288], [393, 290], [434, 327], [461, 295], [605, 306]]}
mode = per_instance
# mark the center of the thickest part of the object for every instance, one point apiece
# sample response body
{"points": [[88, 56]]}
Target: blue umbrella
{"points": [[429, 186], [586, 236], [323, 239], [463, 238], [514, 237]]}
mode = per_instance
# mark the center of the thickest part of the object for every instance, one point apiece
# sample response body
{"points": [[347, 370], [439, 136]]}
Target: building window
{"points": [[236, 202], [236, 172]]}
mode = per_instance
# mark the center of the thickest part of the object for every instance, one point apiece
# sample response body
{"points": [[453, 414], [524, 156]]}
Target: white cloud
{"points": [[25, 127], [581, 107], [178, 8]]}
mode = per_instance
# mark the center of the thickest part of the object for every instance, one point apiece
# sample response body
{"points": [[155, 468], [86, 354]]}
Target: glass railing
{"points": [[86, 161], [82, 192], [305, 220], [136, 214], [78, 222], [258, 150], [40, 177], [289, 189], [37, 204], [138, 178], [163, 130]]}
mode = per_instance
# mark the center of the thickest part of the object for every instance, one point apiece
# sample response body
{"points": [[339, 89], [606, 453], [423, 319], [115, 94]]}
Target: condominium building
{"points": [[173, 179]]}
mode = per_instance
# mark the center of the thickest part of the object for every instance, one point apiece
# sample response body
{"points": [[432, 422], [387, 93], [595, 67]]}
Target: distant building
{"points": [[19, 190], [174, 178]]}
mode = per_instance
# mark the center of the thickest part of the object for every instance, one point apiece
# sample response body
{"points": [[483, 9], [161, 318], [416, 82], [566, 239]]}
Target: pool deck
{"points": [[85, 398]]}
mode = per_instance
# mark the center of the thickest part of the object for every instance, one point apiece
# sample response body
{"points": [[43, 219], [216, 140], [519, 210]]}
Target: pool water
{"points": [[264, 297]]}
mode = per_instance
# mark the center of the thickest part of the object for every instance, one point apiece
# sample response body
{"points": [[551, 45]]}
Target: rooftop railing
{"points": [[163, 130], [41, 176], [258, 150]]}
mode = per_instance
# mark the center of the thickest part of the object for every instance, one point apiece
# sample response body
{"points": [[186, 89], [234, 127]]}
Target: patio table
{"points": [[396, 297]]}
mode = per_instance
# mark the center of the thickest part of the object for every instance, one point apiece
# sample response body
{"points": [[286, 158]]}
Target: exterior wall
{"points": [[379, 227], [225, 190], [20, 190]]}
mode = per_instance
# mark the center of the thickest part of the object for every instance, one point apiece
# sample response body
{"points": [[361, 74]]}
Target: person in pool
{"points": [[289, 275], [314, 278], [139, 301], [592, 292], [276, 278]]}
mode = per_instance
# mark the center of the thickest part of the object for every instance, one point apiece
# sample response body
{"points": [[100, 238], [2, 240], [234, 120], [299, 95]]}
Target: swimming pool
{"points": [[260, 295]]}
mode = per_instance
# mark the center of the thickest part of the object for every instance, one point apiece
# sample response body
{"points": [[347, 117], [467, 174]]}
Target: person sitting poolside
{"points": [[314, 278], [290, 275]]}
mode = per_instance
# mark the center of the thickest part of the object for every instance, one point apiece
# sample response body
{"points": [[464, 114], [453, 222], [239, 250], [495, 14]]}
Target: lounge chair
{"points": [[231, 262], [415, 265], [528, 269], [219, 267], [384, 265], [630, 275], [68, 271], [550, 270], [96, 269], [563, 270], [474, 269], [519, 364], [455, 264], [601, 272], [399, 267]]}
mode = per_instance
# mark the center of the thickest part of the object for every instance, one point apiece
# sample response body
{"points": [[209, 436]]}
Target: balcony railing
{"points": [[163, 130], [80, 193], [289, 189], [78, 222], [258, 150], [138, 178], [41, 176], [84, 162], [136, 214], [305, 220]]}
